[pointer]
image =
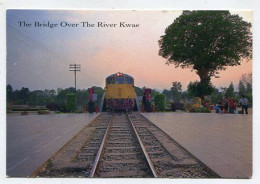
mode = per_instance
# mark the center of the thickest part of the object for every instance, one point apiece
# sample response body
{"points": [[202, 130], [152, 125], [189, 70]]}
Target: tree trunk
{"points": [[203, 74], [204, 78]]}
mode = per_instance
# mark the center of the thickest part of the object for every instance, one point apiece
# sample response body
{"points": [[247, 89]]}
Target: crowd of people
{"points": [[229, 105]]}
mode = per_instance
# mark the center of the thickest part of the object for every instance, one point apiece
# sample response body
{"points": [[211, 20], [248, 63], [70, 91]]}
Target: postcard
{"points": [[129, 93]]}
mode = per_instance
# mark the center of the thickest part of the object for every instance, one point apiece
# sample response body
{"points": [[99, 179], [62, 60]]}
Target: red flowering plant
{"points": [[190, 108]]}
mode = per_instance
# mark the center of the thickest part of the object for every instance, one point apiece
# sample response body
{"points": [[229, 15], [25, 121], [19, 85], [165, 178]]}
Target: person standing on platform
{"points": [[232, 106], [144, 100], [225, 103], [243, 101]]}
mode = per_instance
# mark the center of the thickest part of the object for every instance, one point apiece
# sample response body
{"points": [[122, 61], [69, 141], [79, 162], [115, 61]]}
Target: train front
{"points": [[120, 94]]}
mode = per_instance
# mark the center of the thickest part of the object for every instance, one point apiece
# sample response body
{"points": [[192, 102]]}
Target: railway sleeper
{"points": [[186, 172], [122, 148], [120, 134], [121, 141], [116, 163], [73, 166], [122, 154], [125, 174], [112, 145], [113, 166], [122, 157]]}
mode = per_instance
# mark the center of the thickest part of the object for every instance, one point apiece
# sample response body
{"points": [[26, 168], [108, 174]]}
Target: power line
{"points": [[34, 42], [75, 68], [30, 41]]}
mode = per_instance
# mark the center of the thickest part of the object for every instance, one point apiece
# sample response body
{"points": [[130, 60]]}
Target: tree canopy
{"points": [[206, 41], [230, 90], [245, 84]]}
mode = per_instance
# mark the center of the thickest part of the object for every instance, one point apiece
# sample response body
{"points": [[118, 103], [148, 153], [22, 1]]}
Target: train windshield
{"points": [[111, 80], [128, 80], [120, 80]]}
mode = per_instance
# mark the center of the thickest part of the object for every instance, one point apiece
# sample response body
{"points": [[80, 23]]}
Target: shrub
{"points": [[71, 100], [53, 107], [40, 112], [160, 102], [249, 97], [63, 107], [177, 106], [78, 111]]}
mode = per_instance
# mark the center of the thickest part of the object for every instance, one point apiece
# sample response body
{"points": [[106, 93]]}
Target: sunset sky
{"points": [[39, 57]]}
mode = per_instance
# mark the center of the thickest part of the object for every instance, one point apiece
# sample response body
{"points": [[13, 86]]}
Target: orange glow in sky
{"points": [[101, 51]]}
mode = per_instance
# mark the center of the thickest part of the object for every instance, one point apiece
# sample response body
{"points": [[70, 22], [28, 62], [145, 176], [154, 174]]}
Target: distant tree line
{"points": [[49, 97], [56, 99], [175, 94]]}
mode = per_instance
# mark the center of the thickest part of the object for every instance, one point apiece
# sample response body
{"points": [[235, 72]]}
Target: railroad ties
{"points": [[124, 145], [122, 154]]}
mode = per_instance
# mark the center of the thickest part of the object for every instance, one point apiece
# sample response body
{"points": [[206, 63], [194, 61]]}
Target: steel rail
{"points": [[143, 149], [93, 170]]}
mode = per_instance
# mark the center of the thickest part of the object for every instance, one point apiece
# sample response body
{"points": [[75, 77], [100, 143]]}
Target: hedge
{"points": [[160, 102], [71, 102]]}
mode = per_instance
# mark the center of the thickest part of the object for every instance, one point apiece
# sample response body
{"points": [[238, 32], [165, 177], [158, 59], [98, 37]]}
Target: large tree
{"points": [[206, 41], [246, 79], [176, 91]]}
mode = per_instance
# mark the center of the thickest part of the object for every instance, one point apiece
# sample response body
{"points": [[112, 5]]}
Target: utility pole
{"points": [[75, 68]]}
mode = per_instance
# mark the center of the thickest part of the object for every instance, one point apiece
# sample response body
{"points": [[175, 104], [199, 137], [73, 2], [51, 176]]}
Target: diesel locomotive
{"points": [[120, 93]]}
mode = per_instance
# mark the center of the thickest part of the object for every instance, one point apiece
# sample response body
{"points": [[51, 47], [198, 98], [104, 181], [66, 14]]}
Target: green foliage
{"points": [[167, 94], [241, 88], [41, 112], [42, 97], [245, 84], [71, 100], [24, 94], [184, 95], [199, 89], [62, 93], [82, 97], [215, 96], [230, 91], [138, 91], [206, 41], [249, 97], [176, 86], [53, 107], [79, 111], [176, 91], [9, 91], [154, 93], [160, 102]]}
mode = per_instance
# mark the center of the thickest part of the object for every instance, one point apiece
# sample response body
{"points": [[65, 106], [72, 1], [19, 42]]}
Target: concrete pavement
{"points": [[32, 139], [221, 141]]}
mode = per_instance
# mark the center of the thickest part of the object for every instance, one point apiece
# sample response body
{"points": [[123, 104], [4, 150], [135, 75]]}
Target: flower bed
{"points": [[191, 108]]}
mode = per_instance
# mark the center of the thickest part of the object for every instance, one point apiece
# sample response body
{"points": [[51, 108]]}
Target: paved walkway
{"points": [[221, 141], [32, 139]]}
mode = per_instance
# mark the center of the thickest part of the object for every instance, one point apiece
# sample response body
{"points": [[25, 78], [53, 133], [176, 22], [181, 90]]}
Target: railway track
{"points": [[168, 157], [126, 145], [123, 154]]}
